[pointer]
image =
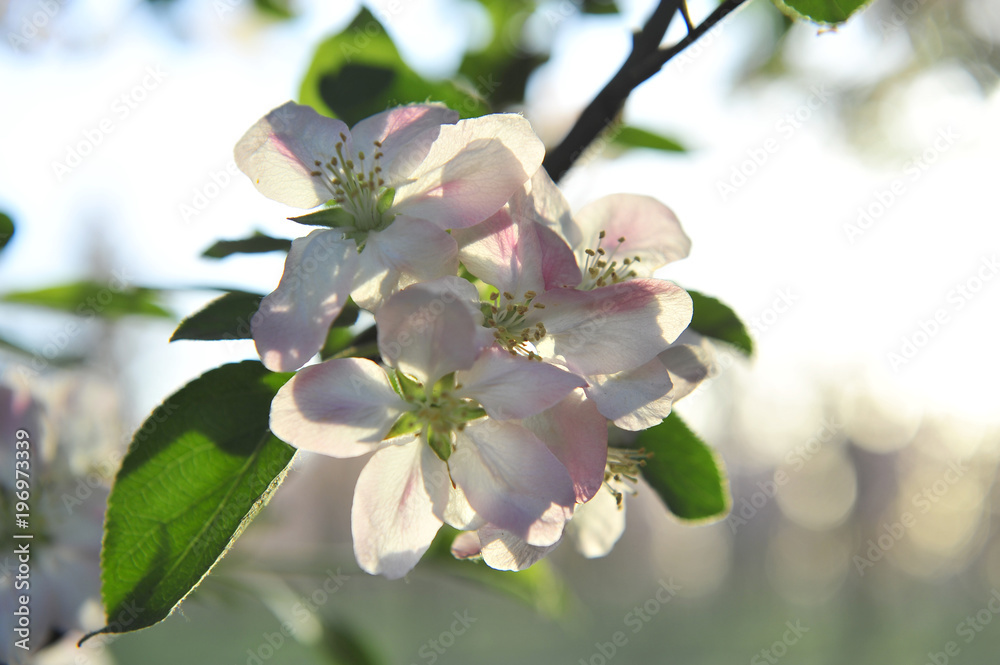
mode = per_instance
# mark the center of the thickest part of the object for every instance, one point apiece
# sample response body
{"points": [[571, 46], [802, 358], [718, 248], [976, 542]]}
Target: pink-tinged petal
{"points": [[635, 399], [427, 330], [650, 229], [502, 550], [516, 255], [688, 364], [342, 408], [280, 152], [292, 322], [597, 525], [406, 134], [577, 434], [406, 252], [559, 265], [392, 521], [471, 171], [612, 328], [512, 387], [466, 545], [512, 480]]}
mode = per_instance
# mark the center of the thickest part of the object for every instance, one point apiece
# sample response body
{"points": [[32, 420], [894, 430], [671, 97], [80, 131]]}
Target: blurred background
{"points": [[839, 187]]}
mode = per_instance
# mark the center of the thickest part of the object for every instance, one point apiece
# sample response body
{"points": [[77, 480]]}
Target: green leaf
{"points": [[359, 72], [195, 474], [6, 229], [683, 470], [226, 317], [829, 12], [633, 137], [255, 244], [714, 319], [110, 300]]}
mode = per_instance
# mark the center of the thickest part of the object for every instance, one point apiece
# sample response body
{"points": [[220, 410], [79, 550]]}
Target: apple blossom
{"points": [[450, 428], [607, 327], [397, 181]]}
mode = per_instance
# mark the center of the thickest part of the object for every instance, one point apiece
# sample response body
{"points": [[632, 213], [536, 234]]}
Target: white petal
{"points": [[597, 525], [577, 434], [512, 480], [636, 399], [406, 252], [688, 364], [280, 151], [458, 513], [612, 328], [342, 408], [427, 330], [292, 322], [405, 133], [650, 229], [502, 550], [392, 520], [471, 170], [511, 387]]}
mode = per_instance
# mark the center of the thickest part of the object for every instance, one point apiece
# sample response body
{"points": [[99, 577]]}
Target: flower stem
{"points": [[645, 60]]}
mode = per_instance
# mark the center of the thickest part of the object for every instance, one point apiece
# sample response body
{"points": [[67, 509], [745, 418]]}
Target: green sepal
{"points": [[335, 218]]}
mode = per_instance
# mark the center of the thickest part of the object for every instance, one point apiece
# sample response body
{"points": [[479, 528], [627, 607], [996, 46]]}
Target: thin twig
{"points": [[644, 61]]}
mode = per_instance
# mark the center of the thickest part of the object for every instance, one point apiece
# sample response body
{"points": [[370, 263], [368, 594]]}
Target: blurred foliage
{"points": [[636, 137], [6, 229], [829, 12], [539, 587], [89, 299], [255, 244]]}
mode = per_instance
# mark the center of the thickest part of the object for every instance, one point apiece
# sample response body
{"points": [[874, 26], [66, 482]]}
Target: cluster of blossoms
{"points": [[511, 331]]}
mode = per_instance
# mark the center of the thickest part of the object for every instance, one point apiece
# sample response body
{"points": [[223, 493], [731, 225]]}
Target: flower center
{"points": [[358, 186], [506, 315], [602, 268], [622, 471], [437, 414]]}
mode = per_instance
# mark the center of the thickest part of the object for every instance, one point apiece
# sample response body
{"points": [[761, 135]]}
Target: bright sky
{"points": [[832, 305]]}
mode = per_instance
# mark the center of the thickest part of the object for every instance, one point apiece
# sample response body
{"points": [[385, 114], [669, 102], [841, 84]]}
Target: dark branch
{"points": [[644, 61]]}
